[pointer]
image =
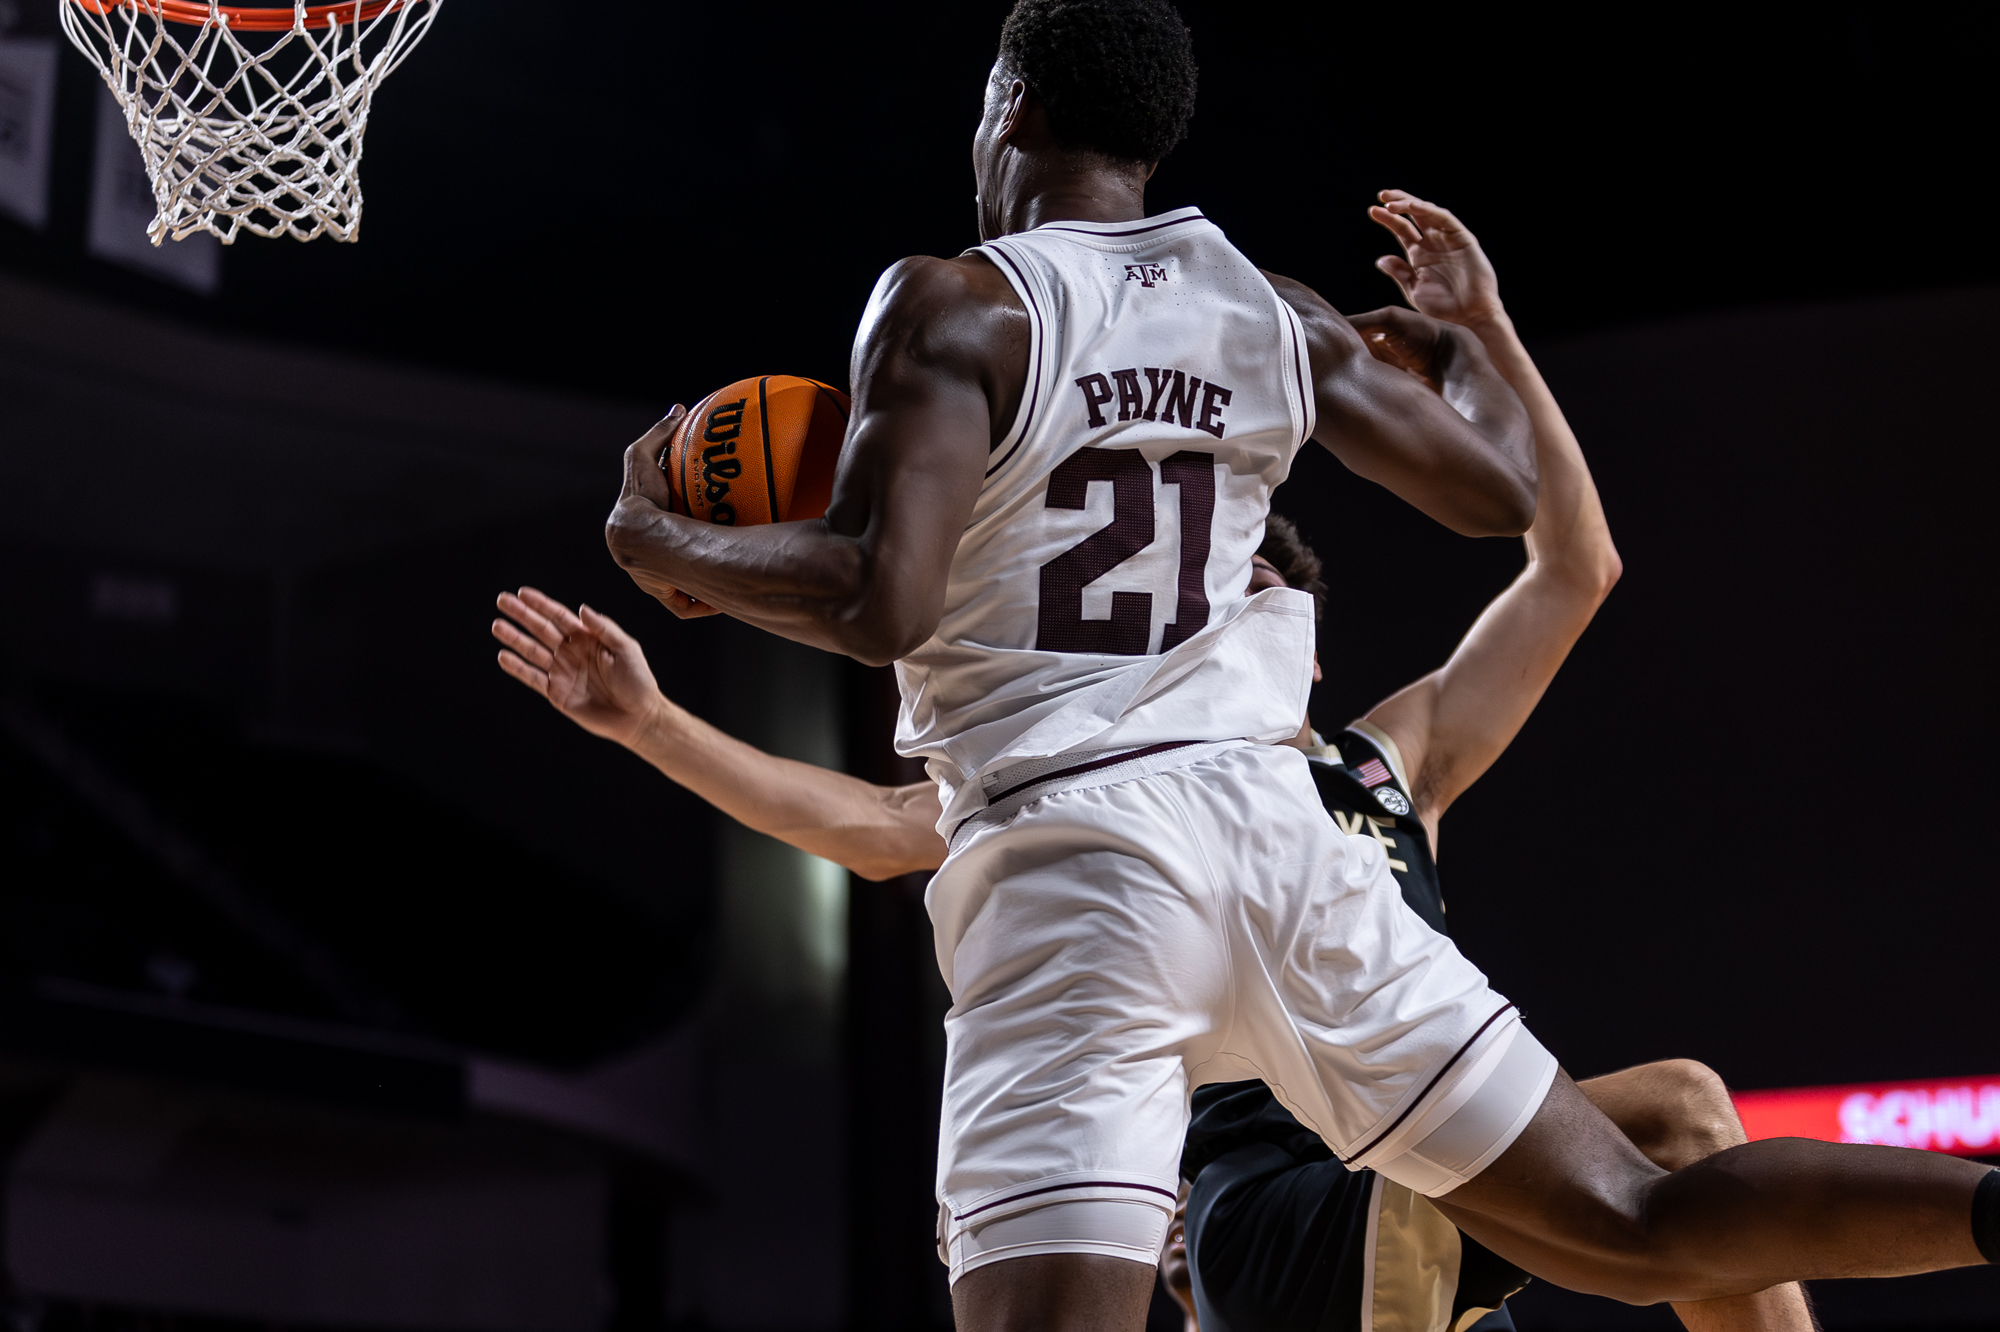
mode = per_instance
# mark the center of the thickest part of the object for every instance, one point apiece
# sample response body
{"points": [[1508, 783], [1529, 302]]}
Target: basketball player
{"points": [[1286, 1229], [1283, 1229], [1060, 460], [1282, 1196], [1276, 1231]]}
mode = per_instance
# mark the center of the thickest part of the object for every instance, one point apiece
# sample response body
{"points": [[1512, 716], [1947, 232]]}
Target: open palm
{"points": [[1442, 270], [591, 670]]}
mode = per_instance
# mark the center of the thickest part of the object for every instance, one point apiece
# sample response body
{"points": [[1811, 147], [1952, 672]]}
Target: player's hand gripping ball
{"points": [[759, 451]]}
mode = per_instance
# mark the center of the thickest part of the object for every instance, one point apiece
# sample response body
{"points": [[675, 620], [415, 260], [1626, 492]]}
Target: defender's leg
{"points": [[1575, 1202], [1677, 1112]]}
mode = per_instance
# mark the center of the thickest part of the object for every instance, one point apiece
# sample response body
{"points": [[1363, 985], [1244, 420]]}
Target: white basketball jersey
{"points": [[1096, 599]]}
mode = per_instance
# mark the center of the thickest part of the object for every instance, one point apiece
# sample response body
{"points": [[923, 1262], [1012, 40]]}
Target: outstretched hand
{"points": [[592, 671], [1442, 270]]}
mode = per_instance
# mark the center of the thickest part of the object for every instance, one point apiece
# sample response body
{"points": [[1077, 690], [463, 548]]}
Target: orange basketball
{"points": [[759, 451]]}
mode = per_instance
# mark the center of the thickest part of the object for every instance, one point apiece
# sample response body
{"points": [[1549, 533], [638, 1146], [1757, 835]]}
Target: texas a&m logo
{"points": [[1146, 275]]}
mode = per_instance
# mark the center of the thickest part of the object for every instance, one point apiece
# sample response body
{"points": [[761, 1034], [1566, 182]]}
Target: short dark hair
{"points": [[1116, 76], [1293, 559]]}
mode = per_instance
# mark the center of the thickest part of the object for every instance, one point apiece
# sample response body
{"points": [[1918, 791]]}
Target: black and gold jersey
{"points": [[1362, 786]]}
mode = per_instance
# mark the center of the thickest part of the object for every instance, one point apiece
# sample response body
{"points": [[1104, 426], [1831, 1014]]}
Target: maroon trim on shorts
{"points": [[1408, 1109], [1058, 1188], [1092, 766]]}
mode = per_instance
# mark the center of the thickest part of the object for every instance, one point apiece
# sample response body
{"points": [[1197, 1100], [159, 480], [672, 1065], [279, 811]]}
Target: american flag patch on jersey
{"points": [[1373, 773]]}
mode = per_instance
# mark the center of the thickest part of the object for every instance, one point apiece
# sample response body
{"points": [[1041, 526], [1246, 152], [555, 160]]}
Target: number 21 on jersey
{"points": [[1060, 626]]}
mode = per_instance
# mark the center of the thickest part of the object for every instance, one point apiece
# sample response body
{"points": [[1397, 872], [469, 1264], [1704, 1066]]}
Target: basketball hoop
{"points": [[262, 136]]}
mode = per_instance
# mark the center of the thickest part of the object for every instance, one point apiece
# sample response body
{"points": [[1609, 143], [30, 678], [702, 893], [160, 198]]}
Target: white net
{"points": [[249, 119]]}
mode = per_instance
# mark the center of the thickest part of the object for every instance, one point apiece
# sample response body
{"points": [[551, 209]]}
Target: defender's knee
{"points": [[1696, 1117], [1676, 1111]]}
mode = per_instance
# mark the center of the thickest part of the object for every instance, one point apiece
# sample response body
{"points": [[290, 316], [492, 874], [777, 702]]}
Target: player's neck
{"points": [[1058, 188], [1095, 197]]}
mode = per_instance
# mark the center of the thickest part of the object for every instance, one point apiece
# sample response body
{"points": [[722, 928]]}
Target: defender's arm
{"points": [[879, 832], [940, 358], [1452, 724], [595, 673], [1466, 458]]}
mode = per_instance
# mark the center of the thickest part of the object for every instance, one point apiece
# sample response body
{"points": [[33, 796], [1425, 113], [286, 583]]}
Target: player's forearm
{"points": [[876, 831], [1478, 391], [1475, 477], [799, 580], [1467, 461], [1570, 540]]}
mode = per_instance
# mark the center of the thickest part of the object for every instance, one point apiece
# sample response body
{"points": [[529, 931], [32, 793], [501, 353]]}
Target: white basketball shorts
{"points": [[1115, 937]]}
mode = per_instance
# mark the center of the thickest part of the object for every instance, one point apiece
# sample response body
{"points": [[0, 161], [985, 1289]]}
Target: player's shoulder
{"points": [[1326, 329], [929, 286], [1364, 741], [948, 313], [1361, 772]]}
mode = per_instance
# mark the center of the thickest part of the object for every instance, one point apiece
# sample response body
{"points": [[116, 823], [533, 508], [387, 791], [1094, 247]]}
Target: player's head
{"points": [[1107, 84], [1287, 561]]}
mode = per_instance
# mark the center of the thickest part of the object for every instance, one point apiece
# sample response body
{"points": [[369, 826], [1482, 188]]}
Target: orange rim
{"points": [[244, 18]]}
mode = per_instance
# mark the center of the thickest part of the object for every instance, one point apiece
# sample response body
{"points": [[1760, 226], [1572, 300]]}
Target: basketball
{"points": [[758, 451]]}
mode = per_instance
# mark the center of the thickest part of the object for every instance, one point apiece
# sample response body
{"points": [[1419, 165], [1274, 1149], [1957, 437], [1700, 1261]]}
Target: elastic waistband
{"points": [[1018, 784]]}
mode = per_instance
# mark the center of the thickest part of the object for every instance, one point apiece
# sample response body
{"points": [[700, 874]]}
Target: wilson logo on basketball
{"points": [[760, 450], [718, 464], [1146, 275]]}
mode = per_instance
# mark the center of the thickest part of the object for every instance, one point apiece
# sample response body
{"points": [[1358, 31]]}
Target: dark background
{"points": [[658, 199], [1747, 248]]}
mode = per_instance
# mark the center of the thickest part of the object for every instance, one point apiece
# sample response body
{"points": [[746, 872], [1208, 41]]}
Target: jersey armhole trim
{"points": [[1384, 742], [1308, 414], [1031, 397]]}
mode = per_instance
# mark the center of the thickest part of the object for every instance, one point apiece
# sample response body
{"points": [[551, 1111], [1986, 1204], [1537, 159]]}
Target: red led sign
{"points": [[1956, 1115]]}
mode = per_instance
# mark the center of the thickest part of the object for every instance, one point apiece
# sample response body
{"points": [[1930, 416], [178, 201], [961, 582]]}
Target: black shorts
{"points": [[1277, 1243]]}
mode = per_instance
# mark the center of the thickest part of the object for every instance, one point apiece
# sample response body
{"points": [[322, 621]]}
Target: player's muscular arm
{"points": [[595, 673], [940, 357], [1466, 458], [1452, 724]]}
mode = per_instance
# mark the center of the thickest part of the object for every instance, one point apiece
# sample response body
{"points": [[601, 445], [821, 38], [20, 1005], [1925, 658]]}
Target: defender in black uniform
{"points": [[1278, 1235]]}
